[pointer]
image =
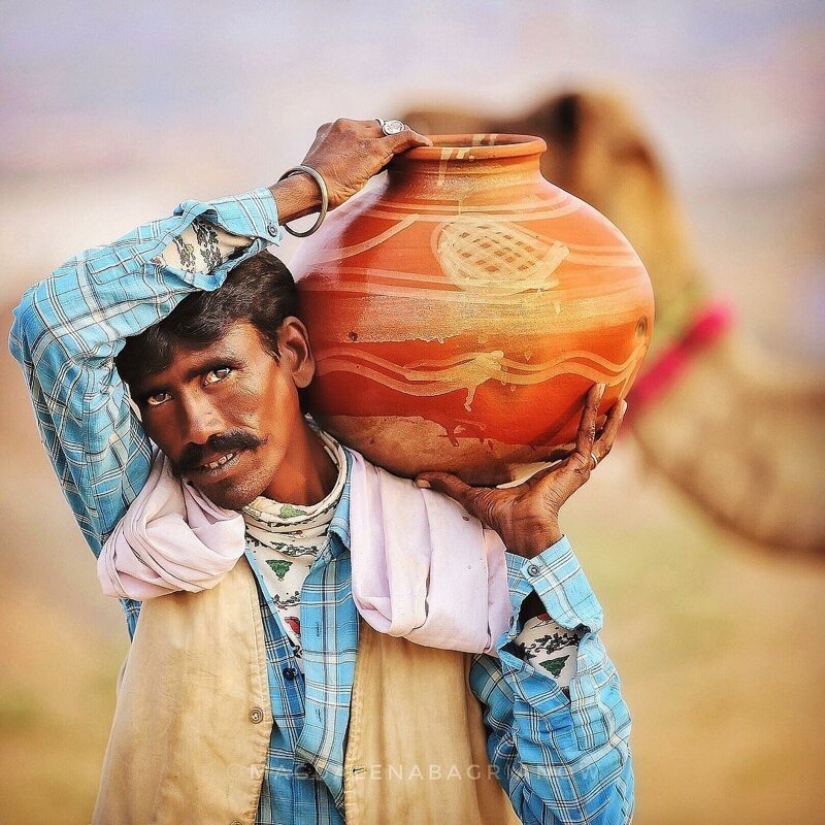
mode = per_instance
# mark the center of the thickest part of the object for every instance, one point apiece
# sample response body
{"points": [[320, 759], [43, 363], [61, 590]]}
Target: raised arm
{"points": [[69, 328], [559, 748]]}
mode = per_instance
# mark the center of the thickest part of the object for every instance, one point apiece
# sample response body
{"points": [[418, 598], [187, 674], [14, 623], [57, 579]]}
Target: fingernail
{"points": [[601, 389], [422, 482]]}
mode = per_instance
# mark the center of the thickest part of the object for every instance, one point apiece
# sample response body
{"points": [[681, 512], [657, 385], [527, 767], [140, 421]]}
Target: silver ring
{"points": [[594, 460], [391, 127]]}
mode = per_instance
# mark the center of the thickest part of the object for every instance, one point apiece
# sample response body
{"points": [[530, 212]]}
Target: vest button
{"points": [[236, 822], [290, 673], [256, 715]]}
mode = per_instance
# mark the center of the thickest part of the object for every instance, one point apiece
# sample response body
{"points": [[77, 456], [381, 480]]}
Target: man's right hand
{"points": [[346, 153]]}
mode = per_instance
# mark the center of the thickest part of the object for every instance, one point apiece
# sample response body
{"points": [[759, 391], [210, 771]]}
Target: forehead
{"points": [[242, 344], [241, 337]]}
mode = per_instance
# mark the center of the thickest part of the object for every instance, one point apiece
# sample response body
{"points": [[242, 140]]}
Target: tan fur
{"points": [[741, 434]]}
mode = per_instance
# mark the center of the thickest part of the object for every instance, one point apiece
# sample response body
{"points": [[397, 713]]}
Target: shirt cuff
{"points": [[253, 215], [557, 578]]}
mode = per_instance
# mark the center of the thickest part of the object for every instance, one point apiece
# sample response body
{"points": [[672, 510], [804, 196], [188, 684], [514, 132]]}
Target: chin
{"points": [[232, 497], [232, 502]]}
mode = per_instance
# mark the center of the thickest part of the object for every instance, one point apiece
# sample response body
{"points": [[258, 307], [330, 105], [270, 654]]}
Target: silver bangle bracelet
{"points": [[316, 176]]}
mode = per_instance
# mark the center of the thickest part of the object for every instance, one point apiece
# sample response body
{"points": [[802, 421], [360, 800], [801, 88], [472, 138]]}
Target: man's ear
{"points": [[295, 351]]}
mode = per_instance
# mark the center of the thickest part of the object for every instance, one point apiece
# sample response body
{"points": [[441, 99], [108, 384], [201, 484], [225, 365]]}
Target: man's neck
{"points": [[307, 476]]}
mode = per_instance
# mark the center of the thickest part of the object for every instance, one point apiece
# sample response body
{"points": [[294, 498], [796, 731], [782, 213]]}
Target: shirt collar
{"points": [[339, 532]]}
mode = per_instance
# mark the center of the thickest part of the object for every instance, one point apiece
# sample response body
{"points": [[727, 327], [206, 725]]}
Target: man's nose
{"points": [[200, 420]]}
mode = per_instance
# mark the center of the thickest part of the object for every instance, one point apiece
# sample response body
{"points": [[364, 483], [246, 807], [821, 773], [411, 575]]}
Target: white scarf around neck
{"points": [[422, 568]]}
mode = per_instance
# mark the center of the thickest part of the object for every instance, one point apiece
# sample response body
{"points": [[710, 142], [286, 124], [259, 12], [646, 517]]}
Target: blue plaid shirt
{"points": [[561, 759]]}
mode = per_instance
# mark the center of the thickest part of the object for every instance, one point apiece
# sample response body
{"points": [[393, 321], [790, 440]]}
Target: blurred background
{"points": [[112, 113]]}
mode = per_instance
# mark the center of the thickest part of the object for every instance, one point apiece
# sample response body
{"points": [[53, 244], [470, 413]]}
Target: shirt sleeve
{"points": [[69, 328], [561, 759]]}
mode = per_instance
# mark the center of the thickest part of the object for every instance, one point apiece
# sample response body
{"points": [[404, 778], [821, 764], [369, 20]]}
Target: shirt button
{"points": [[308, 770], [256, 715], [272, 228], [290, 673], [533, 570]]}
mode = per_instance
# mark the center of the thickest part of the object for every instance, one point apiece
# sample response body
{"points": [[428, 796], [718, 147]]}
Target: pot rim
{"points": [[480, 146]]}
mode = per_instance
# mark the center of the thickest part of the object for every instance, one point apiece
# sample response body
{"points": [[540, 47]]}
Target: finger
{"points": [[408, 139], [446, 483], [373, 128], [476, 501], [587, 426], [604, 443]]}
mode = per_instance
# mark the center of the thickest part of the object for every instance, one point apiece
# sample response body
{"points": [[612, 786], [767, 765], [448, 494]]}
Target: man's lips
{"points": [[222, 450], [217, 466]]}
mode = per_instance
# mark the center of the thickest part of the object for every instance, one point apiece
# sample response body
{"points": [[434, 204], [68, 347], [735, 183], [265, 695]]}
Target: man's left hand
{"points": [[527, 516]]}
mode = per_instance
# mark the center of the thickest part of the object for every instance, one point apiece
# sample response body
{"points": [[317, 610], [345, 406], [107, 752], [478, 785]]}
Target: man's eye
{"points": [[156, 399], [217, 375]]}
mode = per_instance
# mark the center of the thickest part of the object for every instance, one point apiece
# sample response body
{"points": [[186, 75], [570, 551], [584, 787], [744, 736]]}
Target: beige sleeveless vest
{"points": [[190, 733], [417, 747]]}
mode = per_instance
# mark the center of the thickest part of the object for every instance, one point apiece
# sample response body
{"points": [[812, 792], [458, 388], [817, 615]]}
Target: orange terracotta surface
{"points": [[460, 311]]}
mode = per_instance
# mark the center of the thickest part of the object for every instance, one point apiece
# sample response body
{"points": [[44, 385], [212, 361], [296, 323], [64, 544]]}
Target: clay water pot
{"points": [[460, 310]]}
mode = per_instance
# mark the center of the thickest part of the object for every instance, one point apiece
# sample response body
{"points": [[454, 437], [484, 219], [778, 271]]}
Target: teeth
{"points": [[219, 463]]}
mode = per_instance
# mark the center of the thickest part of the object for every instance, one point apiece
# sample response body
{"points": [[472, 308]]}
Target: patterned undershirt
{"points": [[285, 540], [549, 647]]}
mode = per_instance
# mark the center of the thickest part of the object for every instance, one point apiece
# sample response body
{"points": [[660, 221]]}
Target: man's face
{"points": [[228, 416]]}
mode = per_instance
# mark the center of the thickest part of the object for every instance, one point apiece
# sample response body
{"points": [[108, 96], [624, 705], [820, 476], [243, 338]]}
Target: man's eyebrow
{"points": [[146, 384], [151, 383], [211, 362]]}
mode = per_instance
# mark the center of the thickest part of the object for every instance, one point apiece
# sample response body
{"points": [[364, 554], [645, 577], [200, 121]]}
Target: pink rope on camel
{"points": [[706, 328]]}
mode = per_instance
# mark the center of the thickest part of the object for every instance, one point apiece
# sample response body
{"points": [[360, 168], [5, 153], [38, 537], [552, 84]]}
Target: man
{"points": [[257, 700]]}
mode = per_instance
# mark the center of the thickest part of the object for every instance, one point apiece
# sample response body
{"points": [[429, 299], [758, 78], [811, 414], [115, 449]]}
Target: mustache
{"points": [[194, 455]]}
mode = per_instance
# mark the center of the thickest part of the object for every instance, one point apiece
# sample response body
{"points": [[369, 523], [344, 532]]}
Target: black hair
{"points": [[260, 290]]}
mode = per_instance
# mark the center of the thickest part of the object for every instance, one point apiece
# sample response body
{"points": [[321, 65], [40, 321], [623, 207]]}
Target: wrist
{"points": [[295, 197], [531, 543]]}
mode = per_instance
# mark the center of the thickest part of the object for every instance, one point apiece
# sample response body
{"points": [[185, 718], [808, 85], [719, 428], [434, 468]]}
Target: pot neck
{"points": [[455, 162]]}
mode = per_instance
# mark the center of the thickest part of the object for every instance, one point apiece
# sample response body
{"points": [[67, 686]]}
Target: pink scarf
{"points": [[172, 538]]}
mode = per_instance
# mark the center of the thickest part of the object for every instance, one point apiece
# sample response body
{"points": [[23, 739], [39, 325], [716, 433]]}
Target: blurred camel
{"points": [[741, 434]]}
